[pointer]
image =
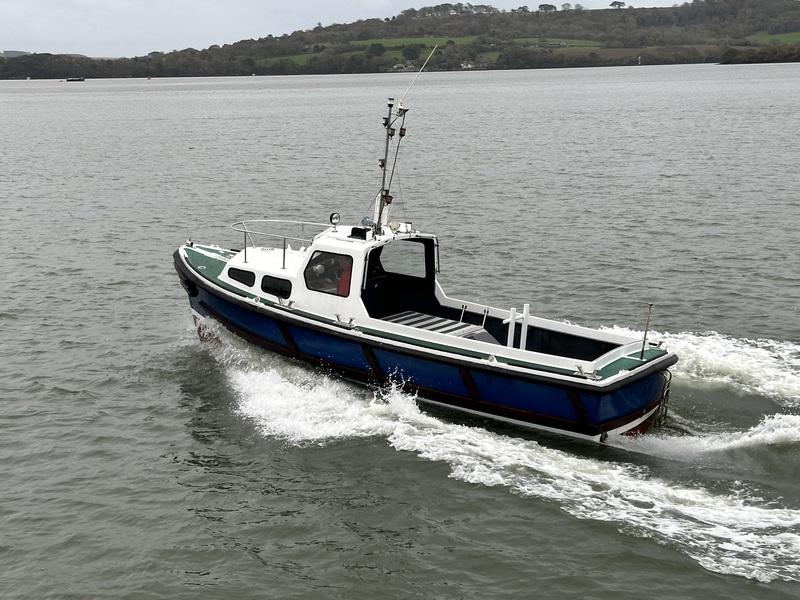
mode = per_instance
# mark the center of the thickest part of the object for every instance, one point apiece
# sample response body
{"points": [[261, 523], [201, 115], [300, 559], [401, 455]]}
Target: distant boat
{"points": [[76, 78]]}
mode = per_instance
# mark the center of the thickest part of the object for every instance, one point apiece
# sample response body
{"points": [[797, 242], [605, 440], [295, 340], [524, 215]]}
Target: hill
{"points": [[470, 37]]}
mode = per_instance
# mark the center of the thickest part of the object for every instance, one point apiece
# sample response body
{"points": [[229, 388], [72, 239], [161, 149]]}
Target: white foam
{"points": [[316, 410], [773, 430], [761, 366], [730, 533]]}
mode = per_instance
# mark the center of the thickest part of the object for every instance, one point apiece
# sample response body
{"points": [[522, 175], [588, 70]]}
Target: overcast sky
{"points": [[135, 27]]}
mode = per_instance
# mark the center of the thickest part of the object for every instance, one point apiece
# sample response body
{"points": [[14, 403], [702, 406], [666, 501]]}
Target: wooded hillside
{"points": [[470, 37]]}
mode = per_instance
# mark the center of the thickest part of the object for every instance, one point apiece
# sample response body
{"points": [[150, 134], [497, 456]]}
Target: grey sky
{"points": [[136, 27]]}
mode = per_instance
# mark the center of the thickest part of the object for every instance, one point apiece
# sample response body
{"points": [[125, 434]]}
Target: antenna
{"points": [[646, 330], [413, 81]]}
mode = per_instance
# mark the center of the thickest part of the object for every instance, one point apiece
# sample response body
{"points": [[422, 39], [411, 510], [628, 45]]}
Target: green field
{"points": [[762, 37], [429, 42], [489, 56], [303, 59], [535, 41], [578, 50], [395, 55]]}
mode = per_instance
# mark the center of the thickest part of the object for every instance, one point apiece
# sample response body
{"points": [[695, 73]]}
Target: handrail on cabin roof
{"points": [[242, 227]]}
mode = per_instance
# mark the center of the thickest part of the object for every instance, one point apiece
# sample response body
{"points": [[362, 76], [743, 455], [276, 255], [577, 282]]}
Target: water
{"points": [[138, 462]]}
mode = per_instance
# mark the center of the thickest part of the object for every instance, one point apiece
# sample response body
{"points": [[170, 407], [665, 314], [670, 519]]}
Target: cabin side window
{"points": [[282, 288], [246, 277], [329, 273]]}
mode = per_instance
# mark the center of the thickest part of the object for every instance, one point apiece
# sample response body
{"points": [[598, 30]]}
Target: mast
{"points": [[384, 199]]}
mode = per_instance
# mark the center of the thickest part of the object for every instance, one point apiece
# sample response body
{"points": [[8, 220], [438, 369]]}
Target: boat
{"points": [[364, 301], [73, 79]]}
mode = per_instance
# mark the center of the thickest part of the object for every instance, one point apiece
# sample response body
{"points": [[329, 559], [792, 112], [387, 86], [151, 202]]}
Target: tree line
{"points": [[773, 53]]}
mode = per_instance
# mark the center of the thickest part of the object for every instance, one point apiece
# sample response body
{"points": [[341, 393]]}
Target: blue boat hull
{"points": [[574, 409]]}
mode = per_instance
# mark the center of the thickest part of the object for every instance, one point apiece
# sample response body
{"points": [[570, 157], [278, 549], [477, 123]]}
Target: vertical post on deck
{"points": [[523, 335], [512, 325]]}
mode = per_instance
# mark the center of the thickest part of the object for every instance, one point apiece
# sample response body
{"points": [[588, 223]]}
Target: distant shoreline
{"points": [[188, 77]]}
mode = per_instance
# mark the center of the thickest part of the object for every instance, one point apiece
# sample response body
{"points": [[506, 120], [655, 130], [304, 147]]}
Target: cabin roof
{"points": [[347, 239]]}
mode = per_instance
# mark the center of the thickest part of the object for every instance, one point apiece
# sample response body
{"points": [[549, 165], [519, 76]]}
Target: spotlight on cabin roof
{"points": [[335, 217]]}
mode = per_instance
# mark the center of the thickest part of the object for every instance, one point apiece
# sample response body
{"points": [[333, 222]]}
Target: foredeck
{"points": [[209, 261]]}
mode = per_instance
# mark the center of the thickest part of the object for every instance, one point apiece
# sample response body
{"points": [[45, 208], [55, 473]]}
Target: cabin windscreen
{"points": [[329, 273]]}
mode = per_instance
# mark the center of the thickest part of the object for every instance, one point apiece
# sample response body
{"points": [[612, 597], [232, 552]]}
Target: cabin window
{"points": [[404, 257], [330, 273], [246, 277], [282, 288]]}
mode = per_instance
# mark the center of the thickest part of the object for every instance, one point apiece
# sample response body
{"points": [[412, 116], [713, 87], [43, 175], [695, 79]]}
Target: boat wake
{"points": [[762, 366], [772, 431], [730, 532]]}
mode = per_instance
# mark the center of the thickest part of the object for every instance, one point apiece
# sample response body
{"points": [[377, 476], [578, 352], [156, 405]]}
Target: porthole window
{"points": [[329, 273], [282, 288], [246, 277]]}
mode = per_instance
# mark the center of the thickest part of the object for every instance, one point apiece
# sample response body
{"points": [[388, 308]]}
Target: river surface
{"points": [[140, 462]]}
